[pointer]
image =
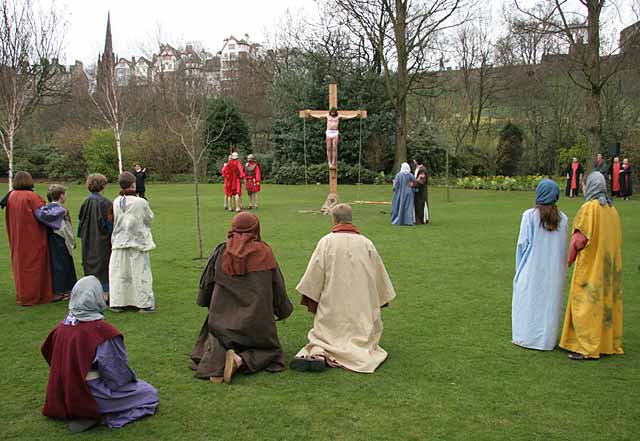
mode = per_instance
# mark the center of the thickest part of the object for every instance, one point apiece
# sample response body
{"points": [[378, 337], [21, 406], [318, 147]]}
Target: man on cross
{"points": [[333, 120]]}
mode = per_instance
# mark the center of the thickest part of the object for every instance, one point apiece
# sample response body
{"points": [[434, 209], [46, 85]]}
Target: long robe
{"points": [[573, 182], [421, 196], [130, 277], [538, 285], [347, 279], [94, 229], [90, 376], [593, 319], [241, 317], [402, 211], [29, 252], [122, 397], [61, 242], [626, 178]]}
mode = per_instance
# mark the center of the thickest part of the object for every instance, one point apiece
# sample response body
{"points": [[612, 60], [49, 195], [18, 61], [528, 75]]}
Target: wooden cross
{"points": [[332, 199]]}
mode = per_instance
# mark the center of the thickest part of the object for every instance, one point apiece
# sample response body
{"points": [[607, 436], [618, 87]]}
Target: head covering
{"points": [[245, 251], [547, 192], [234, 155], [405, 168], [597, 189], [87, 302], [251, 157]]}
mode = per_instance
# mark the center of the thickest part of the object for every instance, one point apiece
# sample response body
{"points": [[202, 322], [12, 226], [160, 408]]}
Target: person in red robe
{"points": [[233, 174], [574, 178], [28, 243], [252, 180], [615, 177]]}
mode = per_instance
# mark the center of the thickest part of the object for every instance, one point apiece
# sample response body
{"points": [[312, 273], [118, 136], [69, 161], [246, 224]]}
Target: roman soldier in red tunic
{"points": [[252, 179]]}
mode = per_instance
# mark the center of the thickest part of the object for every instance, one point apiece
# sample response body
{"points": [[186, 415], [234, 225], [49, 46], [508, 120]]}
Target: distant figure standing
{"points": [[141, 175], [600, 165], [421, 195], [402, 211], [61, 240], [130, 277], [574, 175], [614, 172], [94, 230], [332, 134], [626, 176], [253, 179], [538, 286], [28, 243], [593, 320], [233, 175]]}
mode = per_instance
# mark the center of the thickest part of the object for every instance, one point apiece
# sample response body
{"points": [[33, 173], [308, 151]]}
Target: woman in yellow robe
{"points": [[593, 320]]}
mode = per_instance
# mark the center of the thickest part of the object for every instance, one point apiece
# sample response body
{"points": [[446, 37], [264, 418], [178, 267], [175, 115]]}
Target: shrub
{"points": [[499, 183], [100, 154]]}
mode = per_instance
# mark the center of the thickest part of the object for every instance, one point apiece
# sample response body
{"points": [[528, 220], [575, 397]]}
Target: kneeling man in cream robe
{"points": [[345, 287], [130, 278]]}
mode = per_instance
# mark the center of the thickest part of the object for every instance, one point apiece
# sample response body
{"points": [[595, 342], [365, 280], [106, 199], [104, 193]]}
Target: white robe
{"points": [[347, 278], [130, 278], [538, 286]]}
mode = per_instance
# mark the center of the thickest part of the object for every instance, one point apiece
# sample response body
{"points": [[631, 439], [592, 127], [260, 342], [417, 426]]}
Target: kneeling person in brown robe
{"points": [[245, 292]]}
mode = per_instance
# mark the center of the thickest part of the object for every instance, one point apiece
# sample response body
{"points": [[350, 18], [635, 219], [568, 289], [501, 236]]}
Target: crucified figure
{"points": [[332, 135]]}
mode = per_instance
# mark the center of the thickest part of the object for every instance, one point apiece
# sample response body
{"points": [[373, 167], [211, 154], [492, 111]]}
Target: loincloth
{"points": [[332, 134]]}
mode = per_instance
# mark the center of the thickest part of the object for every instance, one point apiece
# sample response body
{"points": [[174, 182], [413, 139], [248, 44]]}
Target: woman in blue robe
{"points": [[402, 212], [541, 260]]}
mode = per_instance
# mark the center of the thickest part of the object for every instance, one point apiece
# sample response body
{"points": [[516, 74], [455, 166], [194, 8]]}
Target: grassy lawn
{"points": [[452, 373]]}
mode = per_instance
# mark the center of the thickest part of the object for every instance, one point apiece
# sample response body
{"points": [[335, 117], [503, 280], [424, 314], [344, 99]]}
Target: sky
{"points": [[137, 25]]}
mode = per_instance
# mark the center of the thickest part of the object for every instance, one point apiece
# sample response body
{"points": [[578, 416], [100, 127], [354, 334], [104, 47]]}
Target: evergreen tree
{"points": [[225, 127], [509, 149]]}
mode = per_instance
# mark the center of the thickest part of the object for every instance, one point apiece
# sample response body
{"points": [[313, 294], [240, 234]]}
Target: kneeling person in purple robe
{"points": [[90, 380]]}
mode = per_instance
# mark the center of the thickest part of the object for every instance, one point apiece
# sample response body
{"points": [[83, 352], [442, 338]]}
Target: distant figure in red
{"points": [[233, 175], [226, 199], [253, 179], [28, 243]]}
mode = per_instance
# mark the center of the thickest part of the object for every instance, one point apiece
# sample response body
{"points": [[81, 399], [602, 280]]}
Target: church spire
{"points": [[108, 45]]}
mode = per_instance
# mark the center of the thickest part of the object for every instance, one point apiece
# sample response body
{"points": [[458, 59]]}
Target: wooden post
{"points": [[332, 198]]}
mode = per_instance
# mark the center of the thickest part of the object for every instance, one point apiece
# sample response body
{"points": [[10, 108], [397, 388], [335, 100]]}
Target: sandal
{"points": [[577, 356]]}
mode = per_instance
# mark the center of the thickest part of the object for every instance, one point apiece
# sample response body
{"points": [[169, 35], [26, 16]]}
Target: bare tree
{"points": [[404, 35], [474, 51], [30, 44], [185, 102], [587, 66]]}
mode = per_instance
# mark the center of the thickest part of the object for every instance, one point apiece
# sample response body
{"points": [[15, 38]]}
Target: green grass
{"points": [[452, 373]]}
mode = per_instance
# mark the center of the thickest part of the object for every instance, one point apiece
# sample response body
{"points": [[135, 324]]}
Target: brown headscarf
{"points": [[245, 251]]}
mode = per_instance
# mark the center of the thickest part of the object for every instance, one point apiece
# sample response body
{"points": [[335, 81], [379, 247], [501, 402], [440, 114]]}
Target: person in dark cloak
{"points": [[244, 290], [94, 230], [60, 240], [574, 174], [626, 176], [141, 176], [90, 380], [421, 193]]}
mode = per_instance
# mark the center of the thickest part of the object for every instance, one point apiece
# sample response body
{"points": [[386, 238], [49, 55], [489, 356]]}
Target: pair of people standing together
{"points": [[410, 195], [593, 319]]}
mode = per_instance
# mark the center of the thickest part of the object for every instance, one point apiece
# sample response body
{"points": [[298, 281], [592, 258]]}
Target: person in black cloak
{"points": [[94, 230]]}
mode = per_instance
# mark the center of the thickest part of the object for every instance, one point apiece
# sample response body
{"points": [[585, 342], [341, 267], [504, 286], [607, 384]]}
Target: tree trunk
{"points": [[10, 157], [594, 110], [402, 84], [116, 132], [197, 191]]}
